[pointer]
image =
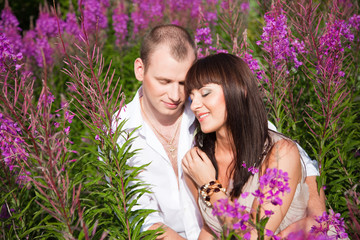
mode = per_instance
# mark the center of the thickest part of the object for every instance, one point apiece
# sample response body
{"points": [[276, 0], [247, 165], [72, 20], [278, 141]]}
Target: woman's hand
{"points": [[198, 166]]}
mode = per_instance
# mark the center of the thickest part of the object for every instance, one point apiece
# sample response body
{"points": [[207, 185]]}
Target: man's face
{"points": [[163, 82]]}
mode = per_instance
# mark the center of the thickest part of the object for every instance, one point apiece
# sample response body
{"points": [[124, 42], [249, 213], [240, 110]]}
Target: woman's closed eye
{"points": [[205, 92]]}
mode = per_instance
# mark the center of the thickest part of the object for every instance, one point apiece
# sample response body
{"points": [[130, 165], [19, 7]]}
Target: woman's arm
{"points": [[206, 233], [285, 156]]}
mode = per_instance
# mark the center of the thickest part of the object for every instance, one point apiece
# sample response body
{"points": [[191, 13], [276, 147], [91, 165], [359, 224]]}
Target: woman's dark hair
{"points": [[246, 113]]}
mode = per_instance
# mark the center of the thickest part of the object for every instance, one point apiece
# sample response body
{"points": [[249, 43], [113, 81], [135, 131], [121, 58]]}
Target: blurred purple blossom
{"points": [[146, 12], [120, 21], [46, 25], [354, 22], [95, 15], [203, 34], [43, 50], [139, 21], [9, 25], [7, 54], [245, 6], [11, 143], [71, 25], [29, 43]]}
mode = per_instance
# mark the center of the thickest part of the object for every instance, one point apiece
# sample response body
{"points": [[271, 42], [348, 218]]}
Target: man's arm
{"points": [[316, 207], [316, 203]]}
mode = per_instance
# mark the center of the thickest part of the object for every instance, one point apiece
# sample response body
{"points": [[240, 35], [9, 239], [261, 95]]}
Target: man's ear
{"points": [[139, 69]]}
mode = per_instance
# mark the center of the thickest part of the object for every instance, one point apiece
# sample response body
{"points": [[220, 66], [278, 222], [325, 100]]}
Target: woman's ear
{"points": [[139, 69]]}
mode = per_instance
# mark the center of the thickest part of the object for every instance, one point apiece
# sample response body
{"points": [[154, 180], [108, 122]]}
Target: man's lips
{"points": [[171, 105]]}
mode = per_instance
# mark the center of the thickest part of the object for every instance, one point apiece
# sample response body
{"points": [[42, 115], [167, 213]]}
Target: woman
{"points": [[234, 133]]}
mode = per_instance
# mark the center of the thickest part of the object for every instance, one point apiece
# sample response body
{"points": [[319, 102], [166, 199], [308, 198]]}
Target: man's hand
{"points": [[169, 234]]}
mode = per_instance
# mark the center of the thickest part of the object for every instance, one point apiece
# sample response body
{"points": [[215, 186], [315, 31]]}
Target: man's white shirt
{"points": [[173, 202]]}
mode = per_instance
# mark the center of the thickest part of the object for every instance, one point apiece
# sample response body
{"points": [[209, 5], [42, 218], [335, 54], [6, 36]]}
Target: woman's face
{"points": [[208, 105]]}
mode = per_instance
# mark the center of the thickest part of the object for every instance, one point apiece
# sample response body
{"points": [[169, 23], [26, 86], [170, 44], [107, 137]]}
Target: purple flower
{"points": [[244, 195], [46, 99], [56, 124], [97, 137], [71, 25], [254, 65], [275, 40], [245, 6], [8, 57], [203, 34], [43, 50], [211, 17], [253, 170], [226, 208], [268, 213], [326, 221], [47, 25], [12, 145], [274, 182], [95, 15], [120, 20], [69, 117], [354, 22], [247, 235], [67, 130], [337, 36], [29, 43], [9, 26], [243, 164]]}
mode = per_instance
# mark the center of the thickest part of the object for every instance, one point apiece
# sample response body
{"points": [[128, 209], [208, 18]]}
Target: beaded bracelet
{"points": [[209, 189]]}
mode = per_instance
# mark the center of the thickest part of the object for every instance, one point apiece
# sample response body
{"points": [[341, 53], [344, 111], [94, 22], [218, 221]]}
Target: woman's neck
{"points": [[224, 148], [223, 142]]}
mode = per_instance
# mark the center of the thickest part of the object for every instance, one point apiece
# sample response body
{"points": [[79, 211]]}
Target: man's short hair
{"points": [[176, 37]]}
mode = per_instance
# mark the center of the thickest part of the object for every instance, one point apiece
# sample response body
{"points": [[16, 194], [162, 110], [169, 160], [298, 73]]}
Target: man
{"points": [[166, 131]]}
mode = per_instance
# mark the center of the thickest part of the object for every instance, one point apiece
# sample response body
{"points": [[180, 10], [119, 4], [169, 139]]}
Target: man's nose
{"points": [[175, 92]]}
